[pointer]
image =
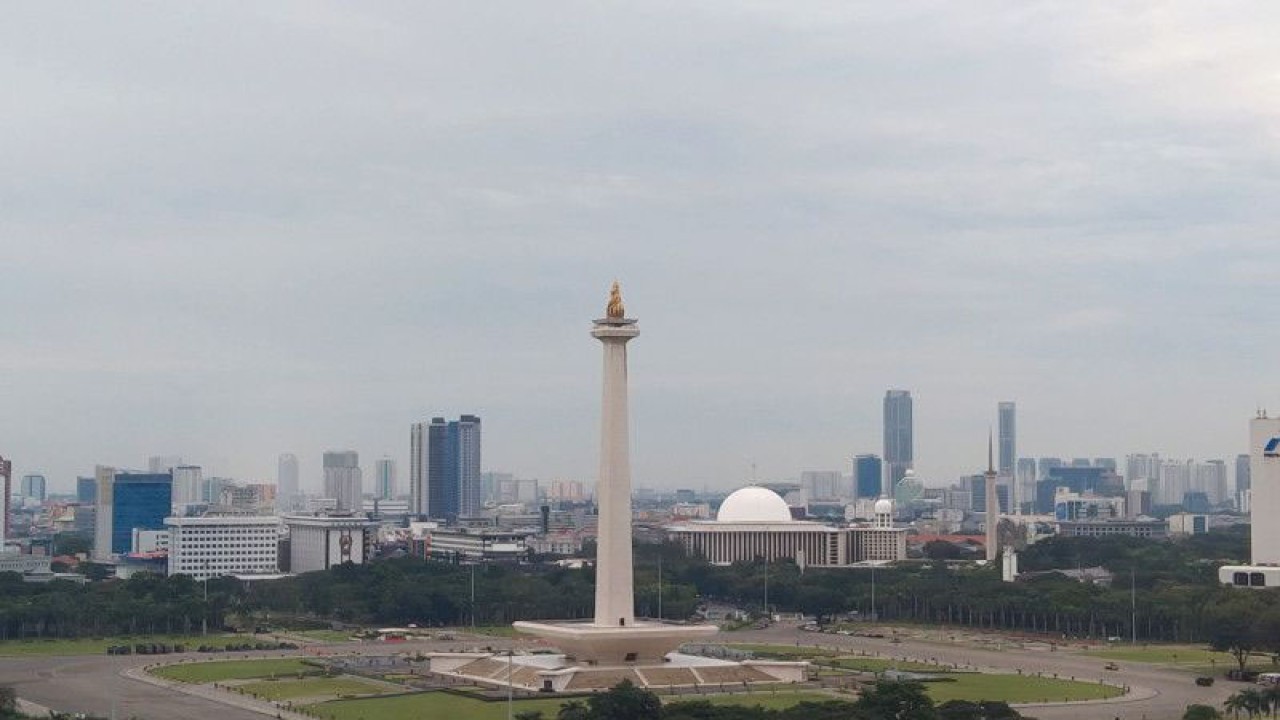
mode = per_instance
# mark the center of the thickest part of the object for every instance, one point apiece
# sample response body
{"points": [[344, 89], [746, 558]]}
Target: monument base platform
{"points": [[558, 673], [640, 642]]}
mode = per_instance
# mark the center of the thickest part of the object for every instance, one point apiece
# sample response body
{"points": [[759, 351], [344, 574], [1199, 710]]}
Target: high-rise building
{"points": [[1264, 532], [188, 485], [342, 480], [34, 487], [898, 442], [868, 476], [1244, 478], [821, 484], [163, 463], [1025, 477], [6, 470], [418, 464], [453, 467], [384, 473], [105, 477], [1007, 415], [287, 490], [140, 501], [86, 490]]}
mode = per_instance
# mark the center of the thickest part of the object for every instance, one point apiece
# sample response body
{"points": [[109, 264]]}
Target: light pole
{"points": [[510, 681], [473, 597], [204, 614], [660, 584], [873, 593]]}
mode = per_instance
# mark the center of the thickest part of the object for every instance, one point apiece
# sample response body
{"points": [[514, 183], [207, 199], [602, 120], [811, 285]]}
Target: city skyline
{"points": [[1056, 205]]}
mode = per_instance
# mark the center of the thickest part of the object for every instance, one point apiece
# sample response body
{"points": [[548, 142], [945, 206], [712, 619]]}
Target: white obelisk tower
{"points": [[615, 604], [993, 505]]}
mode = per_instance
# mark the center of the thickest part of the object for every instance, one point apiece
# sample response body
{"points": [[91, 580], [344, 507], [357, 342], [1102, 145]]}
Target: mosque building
{"points": [[755, 523]]}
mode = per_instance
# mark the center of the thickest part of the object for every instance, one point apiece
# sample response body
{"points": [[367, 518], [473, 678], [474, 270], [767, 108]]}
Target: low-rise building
{"points": [[318, 542], [476, 544], [1141, 527]]}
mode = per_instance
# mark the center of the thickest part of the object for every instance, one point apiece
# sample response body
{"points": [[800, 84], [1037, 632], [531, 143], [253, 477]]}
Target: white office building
{"points": [[318, 542], [188, 486], [218, 545]]}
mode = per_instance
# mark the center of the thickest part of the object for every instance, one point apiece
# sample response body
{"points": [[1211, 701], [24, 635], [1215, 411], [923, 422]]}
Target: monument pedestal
{"points": [[640, 642]]}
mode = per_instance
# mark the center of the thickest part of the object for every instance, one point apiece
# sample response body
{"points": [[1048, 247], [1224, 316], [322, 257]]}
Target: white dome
{"points": [[754, 504], [883, 506]]}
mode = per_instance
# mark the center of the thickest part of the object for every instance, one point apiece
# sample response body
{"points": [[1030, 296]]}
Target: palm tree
{"points": [[1234, 705]]}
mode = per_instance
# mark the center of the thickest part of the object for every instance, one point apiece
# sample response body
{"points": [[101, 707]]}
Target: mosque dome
{"points": [[754, 504], [883, 506]]}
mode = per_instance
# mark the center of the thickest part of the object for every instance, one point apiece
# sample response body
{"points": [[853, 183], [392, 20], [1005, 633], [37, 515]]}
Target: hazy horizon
{"points": [[231, 232]]}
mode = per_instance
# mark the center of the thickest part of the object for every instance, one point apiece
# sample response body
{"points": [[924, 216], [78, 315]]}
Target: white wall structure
{"points": [[214, 546], [1264, 473], [318, 542]]}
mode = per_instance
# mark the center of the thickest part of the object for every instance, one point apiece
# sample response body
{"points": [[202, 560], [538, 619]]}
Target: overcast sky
{"points": [[230, 230]]}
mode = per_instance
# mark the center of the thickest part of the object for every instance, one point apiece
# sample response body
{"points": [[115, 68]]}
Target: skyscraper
{"points": [[384, 474], [188, 485], [1007, 413], [105, 477], [287, 482], [898, 443], [342, 480], [34, 487], [418, 464], [1243, 478], [452, 466], [140, 501], [868, 476]]}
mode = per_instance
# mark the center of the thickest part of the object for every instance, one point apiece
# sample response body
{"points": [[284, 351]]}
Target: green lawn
{"points": [[205, 672], [1173, 654], [312, 687], [98, 646], [493, 630], [1017, 689], [428, 705], [339, 636], [444, 705]]}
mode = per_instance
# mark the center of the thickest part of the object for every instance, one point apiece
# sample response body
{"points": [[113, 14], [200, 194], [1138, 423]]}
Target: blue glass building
{"points": [[867, 473], [453, 467], [139, 500], [86, 490]]}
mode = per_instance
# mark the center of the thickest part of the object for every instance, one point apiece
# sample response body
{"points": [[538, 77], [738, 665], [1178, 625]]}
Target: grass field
{"points": [[324, 635], [98, 646], [312, 688], [444, 705], [1173, 655], [1017, 689], [491, 630], [206, 672]]}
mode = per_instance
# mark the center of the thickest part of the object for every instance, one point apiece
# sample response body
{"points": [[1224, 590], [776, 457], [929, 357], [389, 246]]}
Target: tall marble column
{"points": [[615, 598]]}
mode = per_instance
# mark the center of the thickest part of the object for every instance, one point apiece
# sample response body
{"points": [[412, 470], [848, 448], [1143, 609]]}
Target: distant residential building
{"points": [[188, 485], [288, 490], [217, 545], [212, 487], [1188, 524], [898, 437], [868, 477], [1007, 416], [1045, 464], [138, 501], [384, 473], [342, 479], [319, 542], [1244, 480], [1141, 467], [160, 464], [34, 487], [821, 484], [86, 490]]}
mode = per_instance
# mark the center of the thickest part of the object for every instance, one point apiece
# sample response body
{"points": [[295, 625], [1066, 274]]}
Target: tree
{"points": [[1201, 712], [942, 550], [625, 702], [529, 715], [1234, 628], [893, 700], [574, 710], [959, 710]]}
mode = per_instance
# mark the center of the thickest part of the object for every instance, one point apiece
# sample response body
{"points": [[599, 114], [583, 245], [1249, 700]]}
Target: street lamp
{"points": [[510, 681]]}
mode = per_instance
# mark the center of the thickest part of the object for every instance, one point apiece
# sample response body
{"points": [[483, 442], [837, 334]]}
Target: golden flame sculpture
{"points": [[614, 309]]}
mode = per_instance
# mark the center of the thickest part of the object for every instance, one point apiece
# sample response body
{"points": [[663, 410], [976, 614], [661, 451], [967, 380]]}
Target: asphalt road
{"points": [[1160, 693], [94, 684]]}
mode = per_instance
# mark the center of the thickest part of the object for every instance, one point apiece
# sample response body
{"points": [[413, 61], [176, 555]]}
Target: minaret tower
{"points": [[615, 603], [993, 504]]}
